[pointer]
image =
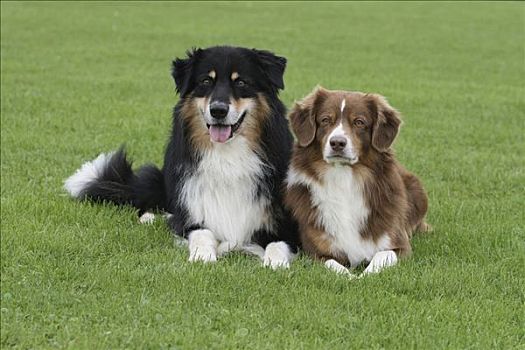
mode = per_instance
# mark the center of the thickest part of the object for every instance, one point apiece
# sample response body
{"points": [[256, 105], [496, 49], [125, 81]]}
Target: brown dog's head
{"points": [[346, 126]]}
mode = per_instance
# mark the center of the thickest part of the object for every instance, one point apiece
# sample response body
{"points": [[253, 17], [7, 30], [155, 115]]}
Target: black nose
{"points": [[218, 110], [338, 143]]}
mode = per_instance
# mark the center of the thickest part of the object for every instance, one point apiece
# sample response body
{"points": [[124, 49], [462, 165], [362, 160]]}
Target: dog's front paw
{"points": [[203, 246], [380, 261], [277, 255], [203, 254], [333, 265]]}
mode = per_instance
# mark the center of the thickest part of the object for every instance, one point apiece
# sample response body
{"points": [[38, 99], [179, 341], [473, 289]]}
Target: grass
{"points": [[78, 79]]}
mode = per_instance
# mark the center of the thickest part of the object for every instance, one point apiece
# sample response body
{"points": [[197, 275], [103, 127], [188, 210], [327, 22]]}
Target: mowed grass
{"points": [[79, 79]]}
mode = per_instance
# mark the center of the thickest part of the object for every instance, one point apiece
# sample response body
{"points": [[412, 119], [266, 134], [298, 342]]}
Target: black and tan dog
{"points": [[353, 201], [225, 162]]}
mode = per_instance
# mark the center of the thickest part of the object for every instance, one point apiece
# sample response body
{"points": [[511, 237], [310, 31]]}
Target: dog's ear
{"points": [[272, 66], [182, 71], [302, 117], [387, 122]]}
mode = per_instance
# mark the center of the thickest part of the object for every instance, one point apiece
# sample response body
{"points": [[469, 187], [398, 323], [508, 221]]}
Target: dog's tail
{"points": [[109, 178]]}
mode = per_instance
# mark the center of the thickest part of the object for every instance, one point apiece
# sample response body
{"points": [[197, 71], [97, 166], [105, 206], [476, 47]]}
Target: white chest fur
{"points": [[342, 212], [221, 193]]}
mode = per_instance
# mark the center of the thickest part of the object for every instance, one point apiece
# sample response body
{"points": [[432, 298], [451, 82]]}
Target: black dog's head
{"points": [[226, 84]]}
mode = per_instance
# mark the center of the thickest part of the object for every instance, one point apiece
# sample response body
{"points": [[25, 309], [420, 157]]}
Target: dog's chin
{"points": [[223, 133], [337, 159]]}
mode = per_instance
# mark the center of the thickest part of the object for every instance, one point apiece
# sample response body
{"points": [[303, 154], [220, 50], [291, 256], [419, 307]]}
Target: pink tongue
{"points": [[220, 133]]}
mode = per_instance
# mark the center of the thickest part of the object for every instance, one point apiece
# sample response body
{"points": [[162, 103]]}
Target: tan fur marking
{"points": [[251, 128], [191, 112], [212, 74], [234, 76]]}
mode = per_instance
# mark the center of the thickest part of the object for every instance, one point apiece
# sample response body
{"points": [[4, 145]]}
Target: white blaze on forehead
{"points": [[343, 105]]}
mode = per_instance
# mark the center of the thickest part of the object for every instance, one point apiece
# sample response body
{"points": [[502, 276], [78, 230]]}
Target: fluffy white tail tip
{"points": [[88, 172]]}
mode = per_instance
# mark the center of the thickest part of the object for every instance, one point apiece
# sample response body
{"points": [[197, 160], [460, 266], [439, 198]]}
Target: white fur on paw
{"points": [[147, 218], [277, 254], [380, 261], [333, 265], [203, 246]]}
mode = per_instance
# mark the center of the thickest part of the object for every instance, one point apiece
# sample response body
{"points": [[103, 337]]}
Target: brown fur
{"points": [[395, 198]]}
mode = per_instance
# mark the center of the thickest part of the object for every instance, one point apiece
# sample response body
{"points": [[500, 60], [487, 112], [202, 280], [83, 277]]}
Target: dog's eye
{"points": [[206, 81], [240, 83], [326, 120], [359, 123]]}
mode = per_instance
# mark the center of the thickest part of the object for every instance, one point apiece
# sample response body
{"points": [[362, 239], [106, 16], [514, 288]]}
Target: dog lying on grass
{"points": [[225, 163], [353, 201]]}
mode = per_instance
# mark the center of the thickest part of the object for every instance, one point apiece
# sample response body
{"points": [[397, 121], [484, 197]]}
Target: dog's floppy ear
{"points": [[302, 116], [272, 66], [182, 70], [387, 122]]}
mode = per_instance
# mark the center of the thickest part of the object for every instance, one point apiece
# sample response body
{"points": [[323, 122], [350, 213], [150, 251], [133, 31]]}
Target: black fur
{"points": [[151, 188], [119, 185]]}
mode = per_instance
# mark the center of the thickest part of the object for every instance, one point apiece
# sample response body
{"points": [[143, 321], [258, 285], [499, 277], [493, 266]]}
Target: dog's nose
{"points": [[218, 110], [338, 143]]}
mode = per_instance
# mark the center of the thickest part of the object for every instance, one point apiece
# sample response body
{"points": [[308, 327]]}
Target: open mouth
{"points": [[221, 133]]}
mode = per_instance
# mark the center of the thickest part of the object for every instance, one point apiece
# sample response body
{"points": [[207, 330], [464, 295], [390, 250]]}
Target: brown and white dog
{"points": [[353, 201]]}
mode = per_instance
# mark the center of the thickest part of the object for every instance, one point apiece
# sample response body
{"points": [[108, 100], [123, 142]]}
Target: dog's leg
{"points": [[203, 246], [380, 261], [278, 254]]}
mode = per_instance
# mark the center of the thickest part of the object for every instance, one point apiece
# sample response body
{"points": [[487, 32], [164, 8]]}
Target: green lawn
{"points": [[79, 79]]}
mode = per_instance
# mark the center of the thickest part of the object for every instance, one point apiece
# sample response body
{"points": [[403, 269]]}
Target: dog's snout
{"points": [[219, 110], [338, 143]]}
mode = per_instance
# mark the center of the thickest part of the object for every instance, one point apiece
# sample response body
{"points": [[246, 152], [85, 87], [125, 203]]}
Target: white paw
{"points": [[147, 218], [204, 254], [203, 246], [338, 268], [277, 255], [380, 261]]}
